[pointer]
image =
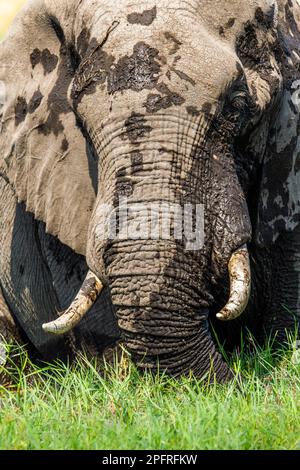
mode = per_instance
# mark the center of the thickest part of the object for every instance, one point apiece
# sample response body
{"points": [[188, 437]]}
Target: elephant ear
{"points": [[43, 153], [279, 204]]}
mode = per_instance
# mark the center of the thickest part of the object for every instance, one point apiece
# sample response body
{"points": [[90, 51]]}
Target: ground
{"points": [[122, 409]]}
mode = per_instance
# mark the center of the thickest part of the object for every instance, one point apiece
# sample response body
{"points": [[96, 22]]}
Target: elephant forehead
{"points": [[215, 15], [162, 56], [154, 73], [172, 55]]}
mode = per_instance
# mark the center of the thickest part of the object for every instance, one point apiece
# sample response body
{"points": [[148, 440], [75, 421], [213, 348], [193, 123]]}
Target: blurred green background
{"points": [[8, 9]]}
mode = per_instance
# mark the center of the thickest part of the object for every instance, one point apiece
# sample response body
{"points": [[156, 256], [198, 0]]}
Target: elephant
{"points": [[189, 104]]}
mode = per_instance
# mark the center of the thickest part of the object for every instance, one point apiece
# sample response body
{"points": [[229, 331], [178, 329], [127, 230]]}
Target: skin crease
{"points": [[181, 103]]}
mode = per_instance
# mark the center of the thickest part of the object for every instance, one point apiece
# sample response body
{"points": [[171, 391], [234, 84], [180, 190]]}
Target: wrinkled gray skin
{"points": [[182, 102]]}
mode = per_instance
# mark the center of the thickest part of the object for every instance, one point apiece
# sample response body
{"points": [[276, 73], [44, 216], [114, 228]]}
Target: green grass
{"points": [[74, 407]]}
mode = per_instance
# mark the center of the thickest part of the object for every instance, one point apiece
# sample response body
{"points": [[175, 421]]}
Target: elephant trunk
{"points": [[160, 276], [156, 290]]}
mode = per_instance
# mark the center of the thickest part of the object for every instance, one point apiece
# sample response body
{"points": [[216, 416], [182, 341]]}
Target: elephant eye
{"points": [[238, 99]]}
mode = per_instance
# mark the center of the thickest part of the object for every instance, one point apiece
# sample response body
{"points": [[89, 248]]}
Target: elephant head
{"points": [[182, 104]]}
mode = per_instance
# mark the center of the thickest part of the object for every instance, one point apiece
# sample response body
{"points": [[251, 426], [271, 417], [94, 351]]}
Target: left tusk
{"points": [[85, 299], [240, 285]]}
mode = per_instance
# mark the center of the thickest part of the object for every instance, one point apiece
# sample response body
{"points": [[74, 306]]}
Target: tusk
{"points": [[240, 285], [85, 299]]}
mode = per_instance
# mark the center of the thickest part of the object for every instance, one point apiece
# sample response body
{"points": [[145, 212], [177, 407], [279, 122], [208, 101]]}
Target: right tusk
{"points": [[85, 299], [240, 285]]}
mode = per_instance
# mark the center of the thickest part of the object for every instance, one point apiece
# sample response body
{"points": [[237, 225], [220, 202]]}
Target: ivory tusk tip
{"points": [[85, 299], [222, 317], [56, 328], [240, 285], [49, 328]]}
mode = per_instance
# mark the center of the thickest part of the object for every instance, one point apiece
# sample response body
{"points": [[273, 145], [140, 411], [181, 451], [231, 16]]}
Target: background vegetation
{"points": [[8, 9]]}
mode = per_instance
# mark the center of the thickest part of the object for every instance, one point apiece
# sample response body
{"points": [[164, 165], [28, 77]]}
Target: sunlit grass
{"points": [[75, 407], [8, 9]]}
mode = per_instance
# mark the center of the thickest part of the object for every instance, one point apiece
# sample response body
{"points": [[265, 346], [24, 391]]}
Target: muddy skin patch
{"points": [[175, 41], [124, 187], [139, 71], [64, 145], [206, 109], [35, 102], [184, 76], [91, 72], [21, 110], [222, 29], [56, 106], [265, 19], [51, 125], [89, 289], [230, 23], [83, 42], [87, 46], [136, 72], [93, 64], [136, 128], [165, 150], [257, 56], [289, 34], [165, 100], [58, 97], [193, 111], [121, 172], [35, 58], [145, 19], [45, 58], [136, 162]]}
